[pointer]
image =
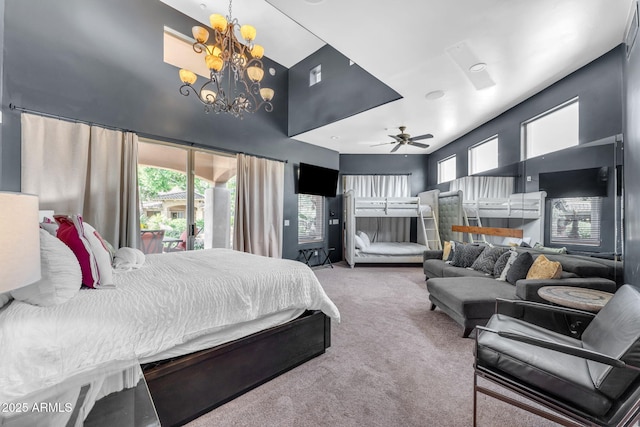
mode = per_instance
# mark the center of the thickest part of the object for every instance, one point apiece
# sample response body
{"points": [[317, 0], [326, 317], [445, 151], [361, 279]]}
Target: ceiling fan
{"points": [[406, 139]]}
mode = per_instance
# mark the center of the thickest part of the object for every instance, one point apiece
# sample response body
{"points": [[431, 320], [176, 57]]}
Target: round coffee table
{"points": [[573, 297]]}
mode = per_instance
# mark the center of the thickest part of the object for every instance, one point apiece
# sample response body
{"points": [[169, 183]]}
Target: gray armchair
{"points": [[583, 366]]}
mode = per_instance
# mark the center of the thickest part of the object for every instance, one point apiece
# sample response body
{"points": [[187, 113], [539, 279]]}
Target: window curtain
{"points": [[484, 187], [75, 168], [382, 229], [259, 218]]}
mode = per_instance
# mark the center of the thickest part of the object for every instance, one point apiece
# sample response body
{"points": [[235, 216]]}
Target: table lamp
{"points": [[19, 241]]}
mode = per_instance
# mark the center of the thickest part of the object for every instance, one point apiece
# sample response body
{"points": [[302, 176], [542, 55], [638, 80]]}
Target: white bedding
{"points": [[393, 249], [173, 299]]}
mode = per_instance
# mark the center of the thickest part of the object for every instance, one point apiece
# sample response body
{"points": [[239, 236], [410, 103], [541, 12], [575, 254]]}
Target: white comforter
{"points": [[172, 299], [394, 249]]}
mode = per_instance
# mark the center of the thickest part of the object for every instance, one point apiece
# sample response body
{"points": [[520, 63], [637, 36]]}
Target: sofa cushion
{"points": [[472, 297], [434, 268], [487, 260], [580, 266], [465, 254], [542, 268], [453, 271], [520, 267]]}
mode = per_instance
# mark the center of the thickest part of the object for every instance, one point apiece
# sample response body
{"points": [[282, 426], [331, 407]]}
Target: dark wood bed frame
{"points": [[187, 387]]}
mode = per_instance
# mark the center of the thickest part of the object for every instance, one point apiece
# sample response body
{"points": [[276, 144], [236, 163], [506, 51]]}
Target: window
{"points": [[483, 156], [315, 75], [310, 218], [551, 131], [576, 221], [447, 169]]}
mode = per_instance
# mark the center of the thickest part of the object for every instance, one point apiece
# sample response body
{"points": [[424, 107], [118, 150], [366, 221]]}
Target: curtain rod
{"points": [[68, 119], [148, 136]]}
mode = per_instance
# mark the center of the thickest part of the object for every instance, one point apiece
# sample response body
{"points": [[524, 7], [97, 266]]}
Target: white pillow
{"points": [[5, 298], [103, 255], [359, 242], [61, 276], [365, 238], [510, 261]]}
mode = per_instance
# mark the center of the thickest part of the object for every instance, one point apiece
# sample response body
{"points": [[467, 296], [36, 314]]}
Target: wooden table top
{"points": [[573, 297]]}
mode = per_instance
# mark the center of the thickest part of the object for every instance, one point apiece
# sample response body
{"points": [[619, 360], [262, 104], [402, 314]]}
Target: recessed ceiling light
{"points": [[335, 137], [314, 1], [434, 95], [272, 71], [476, 68], [203, 6]]}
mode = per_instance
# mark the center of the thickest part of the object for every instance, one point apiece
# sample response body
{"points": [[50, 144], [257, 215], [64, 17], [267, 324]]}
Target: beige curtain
{"points": [[75, 168], [259, 206]]}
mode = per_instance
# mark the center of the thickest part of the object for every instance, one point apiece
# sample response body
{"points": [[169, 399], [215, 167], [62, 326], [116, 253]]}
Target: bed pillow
{"points": [[127, 259], [541, 248], [543, 268], [5, 298], [365, 238], [89, 249], [359, 242], [486, 261], [465, 255], [520, 267], [50, 226], [61, 276]]}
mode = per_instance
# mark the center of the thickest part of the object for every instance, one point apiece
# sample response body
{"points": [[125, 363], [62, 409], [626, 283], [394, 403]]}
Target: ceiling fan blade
{"points": [[383, 143], [396, 137], [418, 138], [396, 148], [417, 144]]}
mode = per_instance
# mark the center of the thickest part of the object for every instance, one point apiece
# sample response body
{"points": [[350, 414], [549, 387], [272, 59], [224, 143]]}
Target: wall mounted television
{"points": [[317, 180], [575, 183]]}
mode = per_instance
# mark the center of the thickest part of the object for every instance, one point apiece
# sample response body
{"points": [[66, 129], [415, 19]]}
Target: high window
{"points": [[447, 169], [551, 131], [576, 221], [483, 156], [310, 218]]}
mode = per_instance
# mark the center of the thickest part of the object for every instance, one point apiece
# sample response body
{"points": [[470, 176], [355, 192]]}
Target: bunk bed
{"points": [[522, 210], [374, 250]]}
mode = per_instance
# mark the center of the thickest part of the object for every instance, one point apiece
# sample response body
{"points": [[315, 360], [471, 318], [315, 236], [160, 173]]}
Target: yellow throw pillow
{"points": [[542, 268], [446, 251]]}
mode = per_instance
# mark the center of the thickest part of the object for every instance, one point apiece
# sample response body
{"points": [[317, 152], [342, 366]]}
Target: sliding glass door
{"points": [[181, 210]]}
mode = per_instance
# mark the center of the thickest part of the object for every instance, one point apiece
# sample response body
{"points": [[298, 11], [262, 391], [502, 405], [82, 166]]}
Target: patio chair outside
{"points": [[151, 241]]}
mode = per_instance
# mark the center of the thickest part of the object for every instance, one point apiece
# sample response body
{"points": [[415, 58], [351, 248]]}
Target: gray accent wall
{"points": [[345, 90], [102, 62]]}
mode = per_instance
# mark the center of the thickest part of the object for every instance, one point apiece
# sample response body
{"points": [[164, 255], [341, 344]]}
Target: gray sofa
{"points": [[469, 296]]}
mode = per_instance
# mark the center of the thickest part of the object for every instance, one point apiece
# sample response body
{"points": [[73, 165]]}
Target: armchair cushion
{"points": [[561, 375], [615, 331]]}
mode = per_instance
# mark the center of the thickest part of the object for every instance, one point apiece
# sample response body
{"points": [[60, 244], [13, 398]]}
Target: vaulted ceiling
{"points": [[424, 49]]}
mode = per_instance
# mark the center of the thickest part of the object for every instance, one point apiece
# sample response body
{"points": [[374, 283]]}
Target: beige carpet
{"points": [[392, 363]]}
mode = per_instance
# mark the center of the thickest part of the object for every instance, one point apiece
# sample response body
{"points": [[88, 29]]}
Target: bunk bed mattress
{"points": [[170, 306], [392, 249]]}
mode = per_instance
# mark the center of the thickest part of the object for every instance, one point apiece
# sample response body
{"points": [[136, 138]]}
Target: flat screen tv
{"points": [[575, 183], [317, 180]]}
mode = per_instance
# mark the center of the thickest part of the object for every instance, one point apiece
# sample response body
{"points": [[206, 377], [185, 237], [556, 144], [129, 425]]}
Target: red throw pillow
{"points": [[89, 249]]}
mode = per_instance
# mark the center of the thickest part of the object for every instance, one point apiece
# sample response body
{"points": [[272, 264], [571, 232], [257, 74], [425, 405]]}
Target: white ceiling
{"points": [[416, 46]]}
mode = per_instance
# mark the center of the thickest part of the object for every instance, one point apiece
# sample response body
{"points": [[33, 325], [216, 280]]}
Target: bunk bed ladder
{"points": [[477, 223], [430, 228]]}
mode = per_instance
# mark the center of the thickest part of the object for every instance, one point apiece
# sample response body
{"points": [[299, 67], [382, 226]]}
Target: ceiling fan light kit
{"points": [[405, 139]]}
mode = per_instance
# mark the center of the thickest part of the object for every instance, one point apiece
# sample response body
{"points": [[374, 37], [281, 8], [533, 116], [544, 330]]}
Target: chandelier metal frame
{"points": [[235, 69]]}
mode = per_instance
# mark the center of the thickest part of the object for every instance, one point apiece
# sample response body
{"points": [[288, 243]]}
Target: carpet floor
{"points": [[392, 362]]}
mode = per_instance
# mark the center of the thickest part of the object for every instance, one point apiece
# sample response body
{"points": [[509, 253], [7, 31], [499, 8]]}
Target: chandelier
{"points": [[235, 69]]}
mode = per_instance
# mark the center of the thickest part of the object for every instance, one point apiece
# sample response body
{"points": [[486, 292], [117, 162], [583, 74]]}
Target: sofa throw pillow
{"points": [[89, 249], [465, 255], [501, 263], [520, 267], [487, 259], [446, 251], [61, 276], [365, 238], [543, 268]]}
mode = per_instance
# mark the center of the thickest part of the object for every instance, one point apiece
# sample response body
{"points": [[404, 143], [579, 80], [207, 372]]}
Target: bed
{"points": [[364, 218], [206, 325], [522, 210]]}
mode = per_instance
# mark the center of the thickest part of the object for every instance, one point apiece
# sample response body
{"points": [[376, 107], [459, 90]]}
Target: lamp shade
{"points": [[267, 93], [255, 73], [19, 241], [248, 32], [187, 77]]}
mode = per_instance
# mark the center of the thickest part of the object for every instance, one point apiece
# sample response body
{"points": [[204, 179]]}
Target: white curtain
{"points": [[75, 168], [382, 229], [259, 215], [487, 187]]}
